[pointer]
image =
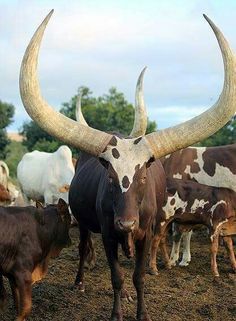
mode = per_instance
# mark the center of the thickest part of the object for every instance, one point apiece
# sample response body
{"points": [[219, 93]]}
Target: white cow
{"points": [[46, 177]]}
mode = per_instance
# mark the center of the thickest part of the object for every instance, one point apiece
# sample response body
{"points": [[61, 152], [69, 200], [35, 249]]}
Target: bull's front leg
{"points": [[23, 282], [138, 278], [117, 277], [186, 237], [83, 252], [153, 255]]}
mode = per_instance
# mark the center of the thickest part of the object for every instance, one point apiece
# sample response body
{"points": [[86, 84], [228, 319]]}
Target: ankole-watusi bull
{"points": [[119, 183]]}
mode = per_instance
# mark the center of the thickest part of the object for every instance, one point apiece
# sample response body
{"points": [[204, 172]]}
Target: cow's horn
{"points": [[69, 131], [140, 118], [78, 111], [206, 124]]}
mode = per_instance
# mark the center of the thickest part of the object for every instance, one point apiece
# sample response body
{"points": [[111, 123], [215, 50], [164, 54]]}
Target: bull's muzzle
{"points": [[125, 226]]}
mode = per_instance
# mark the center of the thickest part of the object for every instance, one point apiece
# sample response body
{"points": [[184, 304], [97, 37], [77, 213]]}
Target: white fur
{"points": [[170, 209], [41, 174], [223, 177], [130, 155]]}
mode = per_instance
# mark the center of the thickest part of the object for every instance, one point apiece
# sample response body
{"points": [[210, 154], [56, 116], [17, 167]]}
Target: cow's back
{"points": [[31, 173], [213, 166]]}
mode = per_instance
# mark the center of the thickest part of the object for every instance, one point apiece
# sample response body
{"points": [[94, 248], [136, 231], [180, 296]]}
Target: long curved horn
{"points": [[140, 119], [69, 131], [78, 111], [206, 124]]}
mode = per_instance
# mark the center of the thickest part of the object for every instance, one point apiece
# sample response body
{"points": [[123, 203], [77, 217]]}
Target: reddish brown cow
{"points": [[29, 237], [188, 202]]}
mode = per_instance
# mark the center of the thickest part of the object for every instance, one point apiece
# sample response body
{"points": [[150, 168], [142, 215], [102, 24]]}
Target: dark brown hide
{"points": [[125, 218], [29, 237]]}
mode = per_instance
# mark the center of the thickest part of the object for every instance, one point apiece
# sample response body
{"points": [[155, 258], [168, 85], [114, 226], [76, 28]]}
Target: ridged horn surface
{"points": [[166, 141], [63, 128]]}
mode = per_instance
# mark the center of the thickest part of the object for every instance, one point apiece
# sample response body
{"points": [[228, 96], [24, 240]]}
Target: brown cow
{"points": [[29, 237], [188, 202]]}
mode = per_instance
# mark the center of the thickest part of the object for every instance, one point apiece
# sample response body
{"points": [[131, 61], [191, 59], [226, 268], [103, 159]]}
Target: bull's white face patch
{"points": [[173, 204], [125, 155], [223, 177]]}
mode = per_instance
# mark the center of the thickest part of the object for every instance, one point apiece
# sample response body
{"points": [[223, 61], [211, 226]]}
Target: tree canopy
{"points": [[7, 113], [110, 112], [226, 135]]}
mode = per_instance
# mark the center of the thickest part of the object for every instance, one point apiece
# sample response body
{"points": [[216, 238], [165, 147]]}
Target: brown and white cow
{"points": [[191, 203], [7, 185], [118, 185], [29, 237], [213, 166]]}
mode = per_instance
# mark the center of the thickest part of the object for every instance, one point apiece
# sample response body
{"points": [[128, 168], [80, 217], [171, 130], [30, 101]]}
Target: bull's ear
{"points": [[150, 161], [61, 205], [104, 162], [62, 208], [39, 204]]}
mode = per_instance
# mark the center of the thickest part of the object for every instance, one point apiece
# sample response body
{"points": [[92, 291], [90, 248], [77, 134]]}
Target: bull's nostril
{"points": [[126, 225]]}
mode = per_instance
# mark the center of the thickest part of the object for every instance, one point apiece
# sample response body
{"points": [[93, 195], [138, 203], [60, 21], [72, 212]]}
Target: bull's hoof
{"points": [[126, 296], [152, 271], [173, 263], [79, 286], [184, 263]]}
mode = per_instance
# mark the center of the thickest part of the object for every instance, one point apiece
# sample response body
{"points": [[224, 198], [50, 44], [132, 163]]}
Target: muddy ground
{"points": [[178, 294]]}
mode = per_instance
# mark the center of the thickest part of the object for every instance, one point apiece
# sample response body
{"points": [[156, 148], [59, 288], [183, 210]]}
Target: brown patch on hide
{"points": [[125, 182], [115, 153]]}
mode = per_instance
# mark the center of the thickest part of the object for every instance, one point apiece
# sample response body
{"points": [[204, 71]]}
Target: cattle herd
{"points": [[132, 190]]}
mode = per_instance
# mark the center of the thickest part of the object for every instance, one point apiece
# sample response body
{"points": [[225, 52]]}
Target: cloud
{"points": [[106, 43]]}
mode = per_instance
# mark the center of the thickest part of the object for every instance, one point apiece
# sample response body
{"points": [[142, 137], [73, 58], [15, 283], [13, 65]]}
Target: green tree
{"points": [[36, 138], [110, 112], [7, 113], [226, 135]]}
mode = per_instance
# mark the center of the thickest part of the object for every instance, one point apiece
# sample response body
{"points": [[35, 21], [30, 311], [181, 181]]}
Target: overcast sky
{"points": [[106, 43]]}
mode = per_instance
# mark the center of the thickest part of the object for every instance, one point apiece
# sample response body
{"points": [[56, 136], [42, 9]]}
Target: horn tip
{"points": [[207, 19]]}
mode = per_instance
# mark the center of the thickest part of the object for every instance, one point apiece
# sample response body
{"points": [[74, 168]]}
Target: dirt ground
{"points": [[178, 294]]}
